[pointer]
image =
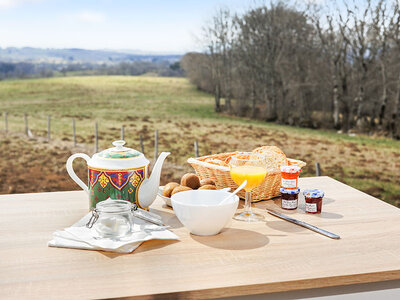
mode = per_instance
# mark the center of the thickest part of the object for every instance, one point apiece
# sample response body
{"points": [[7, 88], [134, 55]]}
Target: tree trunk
{"points": [[336, 103], [395, 119], [346, 115], [271, 101], [384, 99], [217, 96], [360, 101], [273, 108], [346, 123], [228, 104], [253, 103]]}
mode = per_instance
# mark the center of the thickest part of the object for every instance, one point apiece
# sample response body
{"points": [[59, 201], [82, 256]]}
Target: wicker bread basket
{"points": [[268, 189]]}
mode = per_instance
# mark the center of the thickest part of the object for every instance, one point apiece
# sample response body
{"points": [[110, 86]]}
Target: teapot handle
{"points": [[71, 172]]}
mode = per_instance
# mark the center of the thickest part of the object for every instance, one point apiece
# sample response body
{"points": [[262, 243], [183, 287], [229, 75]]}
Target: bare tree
{"points": [[363, 55], [334, 47], [379, 36], [209, 36], [395, 37], [225, 35]]}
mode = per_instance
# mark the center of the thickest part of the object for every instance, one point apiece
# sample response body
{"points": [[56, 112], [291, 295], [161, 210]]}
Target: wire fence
{"points": [[48, 132]]}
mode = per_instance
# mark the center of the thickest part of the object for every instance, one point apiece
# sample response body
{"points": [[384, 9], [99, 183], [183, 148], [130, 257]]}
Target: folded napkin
{"points": [[78, 236]]}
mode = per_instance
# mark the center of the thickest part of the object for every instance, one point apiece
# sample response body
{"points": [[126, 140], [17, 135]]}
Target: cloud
{"points": [[90, 16], [5, 4]]}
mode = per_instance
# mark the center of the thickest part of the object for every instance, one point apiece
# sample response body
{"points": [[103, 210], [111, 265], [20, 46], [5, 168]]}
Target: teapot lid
{"points": [[119, 151]]}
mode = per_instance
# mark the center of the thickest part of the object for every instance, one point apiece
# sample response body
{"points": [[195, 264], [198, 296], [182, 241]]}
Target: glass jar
{"points": [[112, 218], [290, 176], [289, 198], [313, 200]]}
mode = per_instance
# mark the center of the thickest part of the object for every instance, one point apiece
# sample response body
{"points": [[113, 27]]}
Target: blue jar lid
{"points": [[290, 191], [314, 193]]}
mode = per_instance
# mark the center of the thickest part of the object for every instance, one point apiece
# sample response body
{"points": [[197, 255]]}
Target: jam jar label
{"points": [[311, 207], [289, 183], [289, 204]]}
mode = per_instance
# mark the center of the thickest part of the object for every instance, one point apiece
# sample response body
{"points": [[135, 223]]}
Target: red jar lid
{"points": [[290, 169]]}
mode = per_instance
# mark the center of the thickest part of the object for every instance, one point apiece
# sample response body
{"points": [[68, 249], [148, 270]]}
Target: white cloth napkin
{"points": [[78, 236]]}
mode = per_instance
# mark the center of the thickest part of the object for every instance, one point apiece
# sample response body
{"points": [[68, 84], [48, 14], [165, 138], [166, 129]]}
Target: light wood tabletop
{"points": [[265, 257]]}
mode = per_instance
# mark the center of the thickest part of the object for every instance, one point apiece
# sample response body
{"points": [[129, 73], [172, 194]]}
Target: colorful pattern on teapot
{"points": [[115, 184]]}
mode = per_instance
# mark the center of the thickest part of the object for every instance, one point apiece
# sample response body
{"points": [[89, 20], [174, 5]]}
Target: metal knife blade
{"points": [[304, 224], [147, 216]]}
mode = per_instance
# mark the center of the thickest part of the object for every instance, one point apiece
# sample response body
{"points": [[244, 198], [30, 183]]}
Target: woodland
{"points": [[313, 66]]}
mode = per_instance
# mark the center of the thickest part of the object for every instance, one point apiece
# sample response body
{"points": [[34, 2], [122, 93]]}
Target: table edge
{"points": [[274, 287]]}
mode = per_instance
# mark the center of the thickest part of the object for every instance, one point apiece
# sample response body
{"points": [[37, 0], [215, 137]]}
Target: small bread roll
{"points": [[180, 188], [190, 180], [206, 181], [168, 188], [208, 187]]}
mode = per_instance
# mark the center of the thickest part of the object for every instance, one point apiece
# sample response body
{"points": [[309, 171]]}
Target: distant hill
{"points": [[74, 55]]}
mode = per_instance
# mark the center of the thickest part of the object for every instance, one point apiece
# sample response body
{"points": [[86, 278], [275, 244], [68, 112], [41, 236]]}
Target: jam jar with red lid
{"points": [[289, 198], [290, 176], [313, 200]]}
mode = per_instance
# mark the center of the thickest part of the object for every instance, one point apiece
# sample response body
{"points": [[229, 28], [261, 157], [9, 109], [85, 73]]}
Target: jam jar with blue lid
{"points": [[289, 198], [313, 200]]}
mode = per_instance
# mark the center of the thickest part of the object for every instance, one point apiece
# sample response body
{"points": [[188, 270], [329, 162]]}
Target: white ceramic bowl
{"points": [[166, 199], [198, 210]]}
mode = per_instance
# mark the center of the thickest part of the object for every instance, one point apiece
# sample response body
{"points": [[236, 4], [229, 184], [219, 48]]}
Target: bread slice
{"points": [[274, 157]]}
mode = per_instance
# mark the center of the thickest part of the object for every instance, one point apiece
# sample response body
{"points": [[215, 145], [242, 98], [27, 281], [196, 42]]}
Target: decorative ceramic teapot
{"points": [[119, 173]]}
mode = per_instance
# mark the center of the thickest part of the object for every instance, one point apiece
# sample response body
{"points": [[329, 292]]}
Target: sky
{"points": [[142, 26], [169, 26]]}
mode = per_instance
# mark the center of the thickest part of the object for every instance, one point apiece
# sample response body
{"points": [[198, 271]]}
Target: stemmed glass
{"points": [[253, 170]]}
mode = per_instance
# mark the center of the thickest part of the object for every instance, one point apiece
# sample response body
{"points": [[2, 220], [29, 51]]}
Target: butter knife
{"points": [[304, 224], [147, 216]]}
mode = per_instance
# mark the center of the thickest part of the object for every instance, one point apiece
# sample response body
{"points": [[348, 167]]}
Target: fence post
{"points": [[74, 131], [122, 132], [48, 127], [26, 124], [317, 169], [196, 149], [6, 120], [155, 145], [96, 137], [141, 144]]}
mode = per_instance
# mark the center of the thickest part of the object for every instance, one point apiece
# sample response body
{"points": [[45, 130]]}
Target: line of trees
{"points": [[303, 67], [10, 70]]}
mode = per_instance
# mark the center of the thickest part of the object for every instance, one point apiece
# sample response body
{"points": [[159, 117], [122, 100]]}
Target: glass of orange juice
{"points": [[252, 169]]}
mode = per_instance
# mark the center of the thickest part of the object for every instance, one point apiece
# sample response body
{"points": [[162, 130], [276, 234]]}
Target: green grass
{"points": [[112, 101], [182, 114], [116, 98]]}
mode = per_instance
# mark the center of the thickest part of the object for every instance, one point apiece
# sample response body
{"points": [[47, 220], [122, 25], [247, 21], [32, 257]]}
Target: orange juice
{"points": [[253, 175]]}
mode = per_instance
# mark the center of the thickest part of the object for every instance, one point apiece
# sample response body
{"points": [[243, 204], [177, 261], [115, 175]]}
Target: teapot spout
{"points": [[154, 178], [148, 190]]}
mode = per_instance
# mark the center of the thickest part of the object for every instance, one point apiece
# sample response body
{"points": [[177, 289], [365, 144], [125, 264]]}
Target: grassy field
{"points": [[182, 115]]}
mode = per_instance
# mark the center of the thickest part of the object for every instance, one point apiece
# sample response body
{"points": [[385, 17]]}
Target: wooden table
{"points": [[266, 257]]}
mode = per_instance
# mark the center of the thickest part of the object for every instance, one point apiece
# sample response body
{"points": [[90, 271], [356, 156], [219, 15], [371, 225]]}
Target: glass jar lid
{"points": [[113, 206], [314, 193], [119, 151], [290, 191]]}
